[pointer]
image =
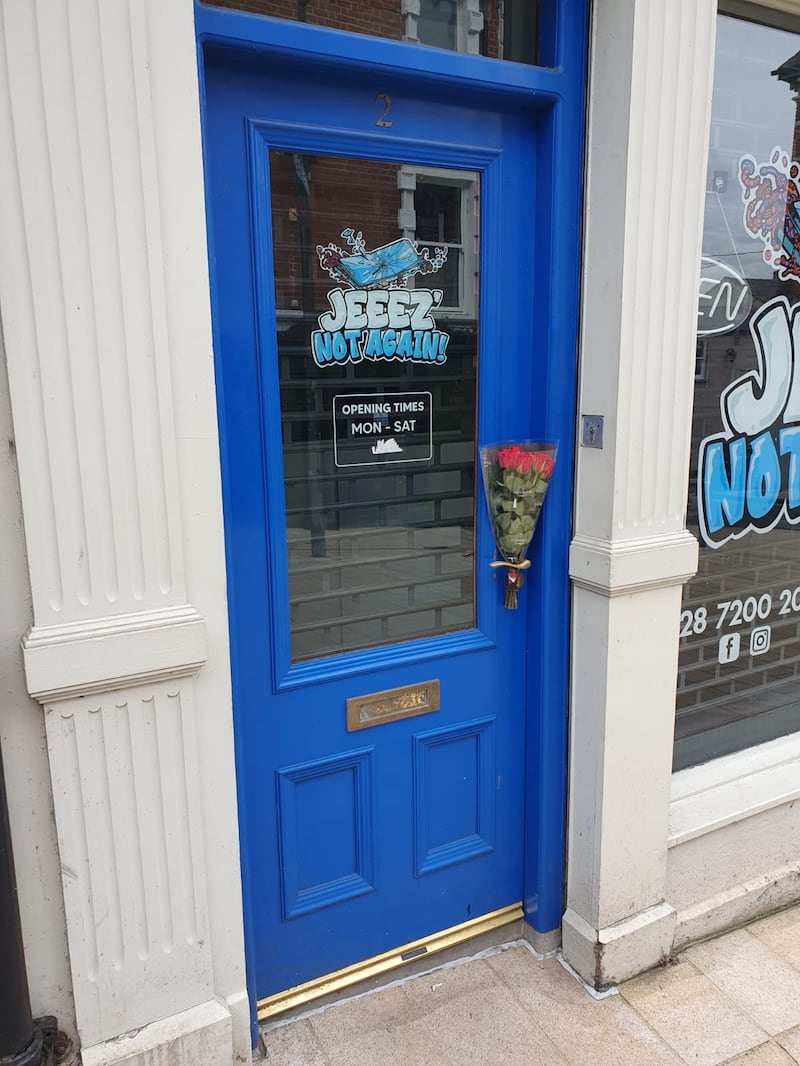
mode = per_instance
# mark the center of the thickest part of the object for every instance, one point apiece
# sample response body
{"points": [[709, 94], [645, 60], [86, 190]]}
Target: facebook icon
{"points": [[729, 647]]}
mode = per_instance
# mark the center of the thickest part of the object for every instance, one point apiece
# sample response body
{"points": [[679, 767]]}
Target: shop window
{"points": [[739, 662], [500, 29]]}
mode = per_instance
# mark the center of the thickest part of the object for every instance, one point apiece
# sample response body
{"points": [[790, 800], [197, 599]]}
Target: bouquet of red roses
{"points": [[516, 477]]}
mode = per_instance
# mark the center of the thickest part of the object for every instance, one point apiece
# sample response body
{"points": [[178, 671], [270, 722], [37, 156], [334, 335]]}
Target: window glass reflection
{"points": [[377, 366], [500, 29], [739, 664]]}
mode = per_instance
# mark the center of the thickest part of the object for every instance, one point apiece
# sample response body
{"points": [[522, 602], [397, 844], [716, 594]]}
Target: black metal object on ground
{"points": [[21, 1041]]}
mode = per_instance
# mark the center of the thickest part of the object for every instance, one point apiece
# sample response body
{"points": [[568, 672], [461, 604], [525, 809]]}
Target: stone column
{"points": [[651, 75], [104, 290]]}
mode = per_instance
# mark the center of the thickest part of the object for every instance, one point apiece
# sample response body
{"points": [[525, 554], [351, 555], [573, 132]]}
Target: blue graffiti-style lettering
{"points": [[415, 345], [748, 476], [748, 484], [373, 347], [790, 447], [389, 343], [338, 347], [404, 344], [724, 473], [763, 477], [379, 324]]}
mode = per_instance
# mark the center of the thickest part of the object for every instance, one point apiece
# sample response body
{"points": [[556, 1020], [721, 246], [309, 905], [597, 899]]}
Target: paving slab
{"points": [[471, 1016], [790, 1042], [781, 933], [293, 1045], [692, 1015], [587, 1031], [768, 1054], [734, 1000], [753, 977]]}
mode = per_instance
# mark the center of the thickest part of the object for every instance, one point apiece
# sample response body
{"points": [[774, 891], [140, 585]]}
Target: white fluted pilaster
{"points": [[652, 66], [84, 314], [104, 293]]}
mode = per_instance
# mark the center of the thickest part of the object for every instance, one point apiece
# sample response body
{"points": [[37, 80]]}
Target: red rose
{"points": [[507, 457], [542, 464], [522, 462]]}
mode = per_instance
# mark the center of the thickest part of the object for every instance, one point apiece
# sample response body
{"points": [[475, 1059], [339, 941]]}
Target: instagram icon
{"points": [[760, 640]]}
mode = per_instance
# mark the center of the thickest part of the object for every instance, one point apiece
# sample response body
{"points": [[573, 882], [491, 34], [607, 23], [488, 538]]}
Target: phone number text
{"points": [[740, 612]]}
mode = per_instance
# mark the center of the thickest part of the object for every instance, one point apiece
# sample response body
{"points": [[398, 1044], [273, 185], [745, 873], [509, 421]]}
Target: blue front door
{"points": [[376, 321]]}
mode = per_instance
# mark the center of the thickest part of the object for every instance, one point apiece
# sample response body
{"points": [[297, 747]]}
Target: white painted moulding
{"points": [[617, 568], [100, 654], [738, 905], [789, 6], [727, 790]]}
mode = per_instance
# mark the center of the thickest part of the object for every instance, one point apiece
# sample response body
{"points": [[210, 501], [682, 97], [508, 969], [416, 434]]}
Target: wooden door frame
{"points": [[557, 93]]}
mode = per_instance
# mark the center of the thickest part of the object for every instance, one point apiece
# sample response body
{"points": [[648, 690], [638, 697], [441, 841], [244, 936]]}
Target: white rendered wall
{"points": [[104, 291], [26, 768]]}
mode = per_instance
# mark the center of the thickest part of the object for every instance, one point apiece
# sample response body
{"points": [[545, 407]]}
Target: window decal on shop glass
{"points": [[772, 210], [748, 477], [724, 301], [391, 428], [374, 316], [739, 655]]}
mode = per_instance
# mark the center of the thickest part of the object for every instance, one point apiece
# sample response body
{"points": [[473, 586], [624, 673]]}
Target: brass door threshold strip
{"points": [[299, 995]]}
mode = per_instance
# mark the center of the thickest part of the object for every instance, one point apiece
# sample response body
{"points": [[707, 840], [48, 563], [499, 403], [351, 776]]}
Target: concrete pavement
{"points": [[732, 1000]]}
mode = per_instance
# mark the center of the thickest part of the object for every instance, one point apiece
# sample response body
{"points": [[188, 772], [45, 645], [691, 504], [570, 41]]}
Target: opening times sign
{"points": [[371, 430]]}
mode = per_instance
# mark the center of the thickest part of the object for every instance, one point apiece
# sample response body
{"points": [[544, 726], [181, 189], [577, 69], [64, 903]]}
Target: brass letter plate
{"points": [[380, 707]]}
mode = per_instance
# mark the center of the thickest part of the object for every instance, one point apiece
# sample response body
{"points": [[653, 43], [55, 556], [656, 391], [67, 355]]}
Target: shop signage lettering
{"points": [[748, 476], [391, 428], [374, 316], [742, 626], [379, 324]]}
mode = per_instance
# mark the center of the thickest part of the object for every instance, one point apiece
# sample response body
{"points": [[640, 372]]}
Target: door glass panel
{"points": [[500, 29], [377, 361]]}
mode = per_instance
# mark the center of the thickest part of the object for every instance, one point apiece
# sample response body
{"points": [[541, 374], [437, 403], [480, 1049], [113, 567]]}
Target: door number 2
{"points": [[383, 120]]}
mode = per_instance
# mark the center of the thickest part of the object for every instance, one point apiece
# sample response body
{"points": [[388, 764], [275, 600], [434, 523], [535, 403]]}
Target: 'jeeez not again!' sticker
{"points": [[373, 316]]}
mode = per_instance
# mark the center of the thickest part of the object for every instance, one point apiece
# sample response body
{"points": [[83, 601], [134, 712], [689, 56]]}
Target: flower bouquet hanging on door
{"points": [[515, 477]]}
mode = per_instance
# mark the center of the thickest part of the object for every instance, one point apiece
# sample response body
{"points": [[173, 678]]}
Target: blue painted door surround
{"points": [[354, 843]]}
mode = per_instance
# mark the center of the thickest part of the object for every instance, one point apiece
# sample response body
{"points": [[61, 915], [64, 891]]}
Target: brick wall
{"points": [[378, 18]]}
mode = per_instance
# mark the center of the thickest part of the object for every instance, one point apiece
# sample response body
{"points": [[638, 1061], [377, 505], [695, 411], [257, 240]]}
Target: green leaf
{"points": [[514, 483]]}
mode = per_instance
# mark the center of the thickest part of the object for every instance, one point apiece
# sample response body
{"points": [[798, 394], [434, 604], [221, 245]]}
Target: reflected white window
{"points": [[500, 29], [453, 24], [438, 209], [739, 658]]}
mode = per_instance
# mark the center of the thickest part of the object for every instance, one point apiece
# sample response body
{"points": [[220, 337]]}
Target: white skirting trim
{"points": [[740, 904]]}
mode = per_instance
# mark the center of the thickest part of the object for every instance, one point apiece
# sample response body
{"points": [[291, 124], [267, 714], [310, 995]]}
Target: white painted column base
{"points": [[201, 1035], [604, 957]]}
